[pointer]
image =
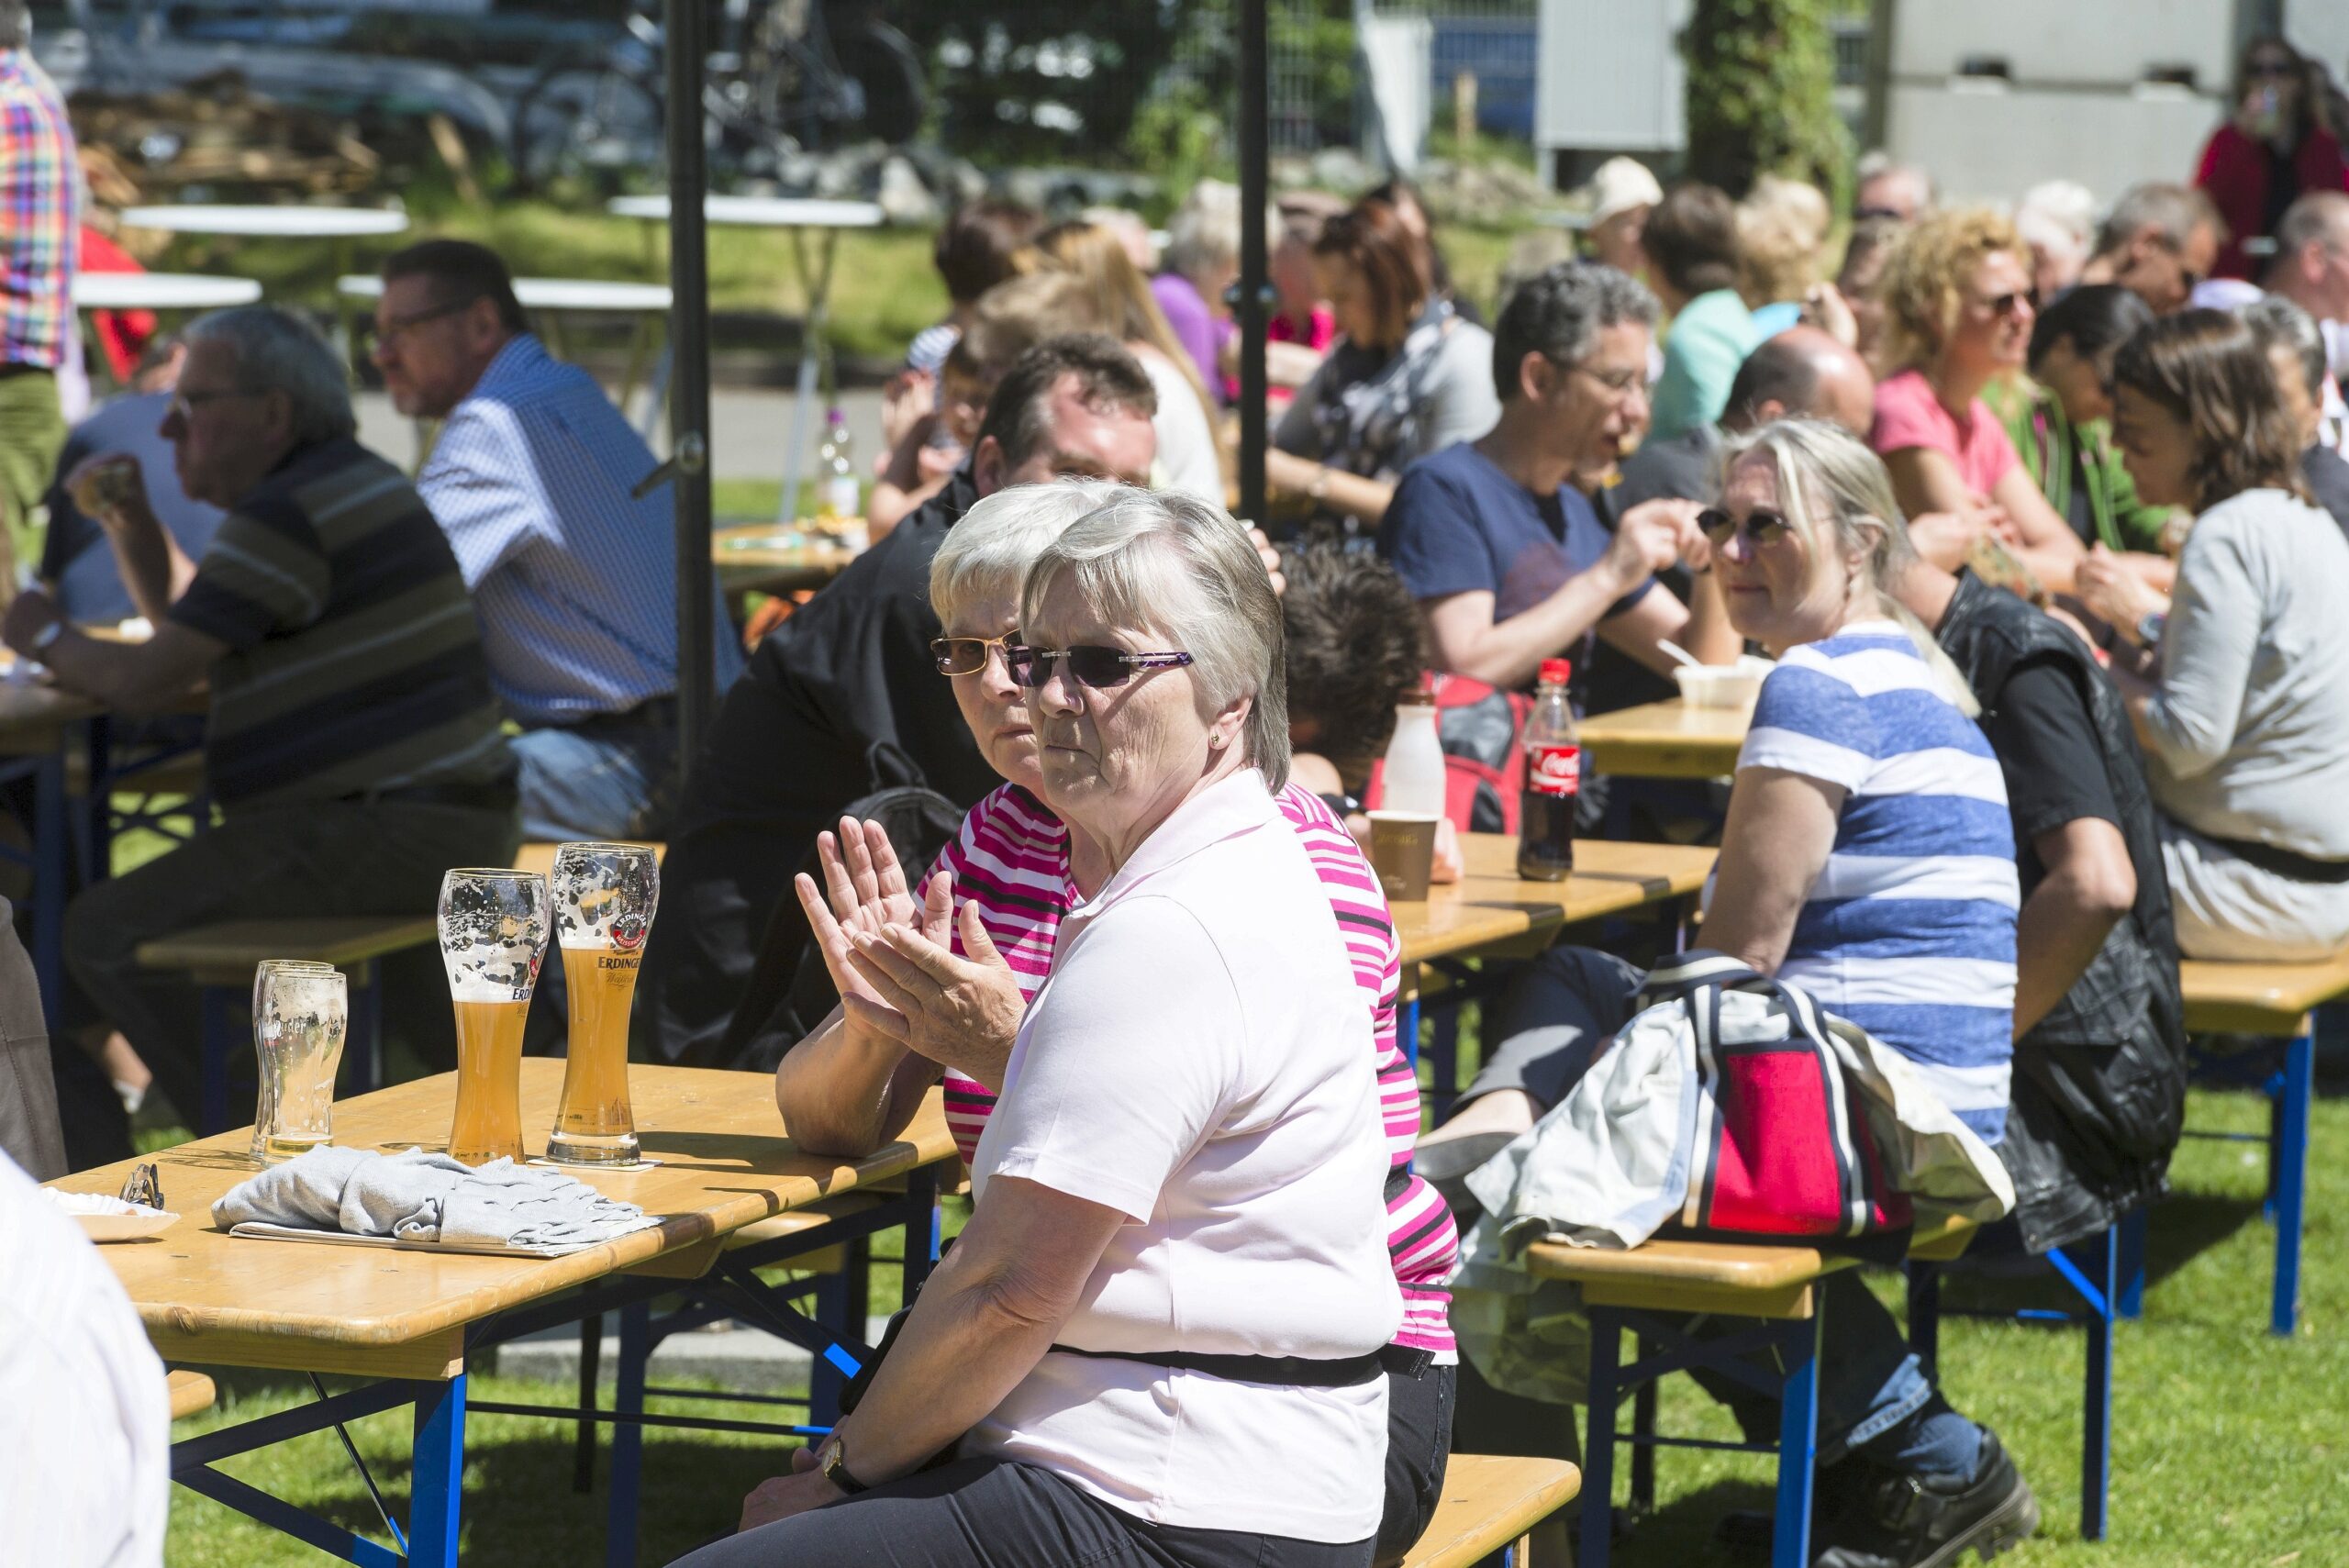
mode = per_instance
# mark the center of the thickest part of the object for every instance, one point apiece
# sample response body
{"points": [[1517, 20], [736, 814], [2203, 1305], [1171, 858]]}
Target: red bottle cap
{"points": [[1555, 672]]}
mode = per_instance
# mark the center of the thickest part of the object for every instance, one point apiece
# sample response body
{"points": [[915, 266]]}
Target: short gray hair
{"points": [[1184, 569], [2321, 217], [2277, 323], [1559, 313], [1203, 237], [2176, 211], [989, 551], [276, 350]]}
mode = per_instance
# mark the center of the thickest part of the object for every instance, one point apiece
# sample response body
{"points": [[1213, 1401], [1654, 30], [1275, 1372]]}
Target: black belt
{"points": [[660, 710], [10, 369], [2278, 862], [1298, 1372]]}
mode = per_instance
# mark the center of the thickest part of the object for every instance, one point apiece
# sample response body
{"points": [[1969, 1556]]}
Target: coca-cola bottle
{"points": [[1545, 813]]}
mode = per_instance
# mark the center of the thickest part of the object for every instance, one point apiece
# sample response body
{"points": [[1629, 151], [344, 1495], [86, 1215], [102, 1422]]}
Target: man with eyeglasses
{"points": [[352, 743], [1507, 560], [843, 699], [533, 479], [2312, 270], [2160, 241]]}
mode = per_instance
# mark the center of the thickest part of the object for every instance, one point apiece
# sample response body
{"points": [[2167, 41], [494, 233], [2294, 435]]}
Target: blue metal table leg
{"points": [[2096, 1413], [837, 1305], [1798, 1444], [51, 837], [214, 1063], [1925, 1315], [1643, 1425], [437, 1498], [1598, 1450], [628, 1437], [2134, 1226], [591, 1352], [2289, 1160]]}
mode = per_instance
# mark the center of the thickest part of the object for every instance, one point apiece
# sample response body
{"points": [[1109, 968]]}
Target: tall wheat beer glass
{"points": [[492, 936], [604, 899], [301, 1010]]}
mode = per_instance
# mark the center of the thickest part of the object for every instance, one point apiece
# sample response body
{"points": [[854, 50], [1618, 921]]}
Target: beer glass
{"points": [[492, 936], [604, 899], [301, 1011]]}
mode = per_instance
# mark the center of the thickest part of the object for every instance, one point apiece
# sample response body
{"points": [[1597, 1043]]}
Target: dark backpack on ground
{"points": [[790, 990]]}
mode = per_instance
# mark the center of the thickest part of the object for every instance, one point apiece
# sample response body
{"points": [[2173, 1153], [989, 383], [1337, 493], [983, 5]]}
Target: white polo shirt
{"points": [[1199, 1060]]}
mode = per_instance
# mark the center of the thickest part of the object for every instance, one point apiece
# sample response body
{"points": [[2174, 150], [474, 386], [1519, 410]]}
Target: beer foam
{"points": [[475, 987]]}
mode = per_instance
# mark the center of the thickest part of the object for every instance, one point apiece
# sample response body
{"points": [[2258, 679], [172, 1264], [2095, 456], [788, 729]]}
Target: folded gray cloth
{"points": [[420, 1197]]}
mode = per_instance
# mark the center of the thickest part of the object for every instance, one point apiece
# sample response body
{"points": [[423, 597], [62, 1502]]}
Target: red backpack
{"points": [[1484, 766]]}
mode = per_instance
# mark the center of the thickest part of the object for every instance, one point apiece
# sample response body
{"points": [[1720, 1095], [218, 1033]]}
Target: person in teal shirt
{"points": [[1691, 243]]}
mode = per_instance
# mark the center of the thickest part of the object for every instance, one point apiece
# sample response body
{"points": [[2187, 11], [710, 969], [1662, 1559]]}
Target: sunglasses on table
{"points": [[1761, 526], [1089, 665]]}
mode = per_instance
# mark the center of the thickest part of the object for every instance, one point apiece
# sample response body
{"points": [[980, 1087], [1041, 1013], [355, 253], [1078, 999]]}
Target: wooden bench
{"points": [[1645, 1289], [221, 959], [190, 1392], [2275, 1001], [1491, 1503]]}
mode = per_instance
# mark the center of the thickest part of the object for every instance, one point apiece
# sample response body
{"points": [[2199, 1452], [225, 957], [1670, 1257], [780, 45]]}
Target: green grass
{"points": [[883, 287], [2227, 1447]]}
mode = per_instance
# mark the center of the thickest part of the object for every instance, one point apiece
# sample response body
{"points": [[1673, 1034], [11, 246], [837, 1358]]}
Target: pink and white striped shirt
{"points": [[1011, 861]]}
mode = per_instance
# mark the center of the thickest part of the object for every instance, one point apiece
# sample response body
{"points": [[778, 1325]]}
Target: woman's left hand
{"points": [[961, 1013], [783, 1496]]}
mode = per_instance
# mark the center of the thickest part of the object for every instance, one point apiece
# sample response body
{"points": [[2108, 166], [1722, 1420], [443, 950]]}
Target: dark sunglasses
{"points": [[2012, 301], [1089, 665], [965, 655], [1761, 527], [2272, 69]]}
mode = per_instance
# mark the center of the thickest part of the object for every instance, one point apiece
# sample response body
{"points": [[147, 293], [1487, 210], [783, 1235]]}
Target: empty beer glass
{"points": [[301, 1012], [492, 936], [604, 899]]}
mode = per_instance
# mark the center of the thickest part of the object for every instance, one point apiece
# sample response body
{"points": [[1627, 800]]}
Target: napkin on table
{"points": [[420, 1197]]}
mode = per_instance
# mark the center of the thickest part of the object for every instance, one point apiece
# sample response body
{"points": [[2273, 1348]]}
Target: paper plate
{"points": [[104, 1219]]}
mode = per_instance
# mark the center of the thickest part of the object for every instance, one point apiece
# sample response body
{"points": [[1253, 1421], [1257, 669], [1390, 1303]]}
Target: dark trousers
{"points": [[1418, 1444], [996, 1513], [319, 858]]}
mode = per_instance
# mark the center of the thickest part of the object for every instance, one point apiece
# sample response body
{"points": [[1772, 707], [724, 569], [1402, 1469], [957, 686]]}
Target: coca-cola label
{"points": [[1553, 770]]}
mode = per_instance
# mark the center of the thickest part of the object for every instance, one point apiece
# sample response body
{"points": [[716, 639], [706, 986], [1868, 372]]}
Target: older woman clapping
{"points": [[1158, 1339]]}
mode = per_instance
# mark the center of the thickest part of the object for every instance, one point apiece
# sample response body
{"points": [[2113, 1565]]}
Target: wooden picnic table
{"points": [[761, 558], [1490, 912], [411, 1317], [1666, 741]]}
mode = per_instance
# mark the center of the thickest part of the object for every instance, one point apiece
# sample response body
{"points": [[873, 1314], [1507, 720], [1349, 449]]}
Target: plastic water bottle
{"points": [[1413, 777], [838, 494], [1545, 824]]}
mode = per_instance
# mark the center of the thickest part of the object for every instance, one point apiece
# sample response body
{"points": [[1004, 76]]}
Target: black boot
{"points": [[1911, 1521]]}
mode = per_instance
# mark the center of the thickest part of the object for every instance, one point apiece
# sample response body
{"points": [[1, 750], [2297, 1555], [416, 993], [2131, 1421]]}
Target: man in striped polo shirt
{"points": [[353, 743], [533, 480]]}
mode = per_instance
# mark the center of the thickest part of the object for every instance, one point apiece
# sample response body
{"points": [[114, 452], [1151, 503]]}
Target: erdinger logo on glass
{"points": [[628, 930], [1553, 770]]}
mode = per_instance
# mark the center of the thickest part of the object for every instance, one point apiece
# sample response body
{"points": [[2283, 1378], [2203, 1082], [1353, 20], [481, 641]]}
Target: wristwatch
{"points": [[2149, 629], [49, 634], [835, 1468]]}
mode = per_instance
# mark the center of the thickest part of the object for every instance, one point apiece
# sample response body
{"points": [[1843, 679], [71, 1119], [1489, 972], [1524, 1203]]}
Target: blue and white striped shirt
{"points": [[1910, 933], [574, 583]]}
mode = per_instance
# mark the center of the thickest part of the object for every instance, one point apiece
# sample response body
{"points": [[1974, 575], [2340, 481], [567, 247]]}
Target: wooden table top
{"points": [[2258, 998], [33, 718], [1666, 741], [206, 1296], [1756, 1280], [1491, 909], [753, 557]]}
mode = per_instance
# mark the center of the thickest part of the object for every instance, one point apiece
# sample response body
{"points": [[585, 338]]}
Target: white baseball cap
{"points": [[1618, 185]]}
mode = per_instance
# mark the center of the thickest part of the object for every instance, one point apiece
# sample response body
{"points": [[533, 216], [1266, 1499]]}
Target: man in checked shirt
{"points": [[40, 218]]}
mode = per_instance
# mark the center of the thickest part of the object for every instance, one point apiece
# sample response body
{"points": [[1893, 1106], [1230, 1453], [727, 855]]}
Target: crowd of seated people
{"points": [[2046, 554]]}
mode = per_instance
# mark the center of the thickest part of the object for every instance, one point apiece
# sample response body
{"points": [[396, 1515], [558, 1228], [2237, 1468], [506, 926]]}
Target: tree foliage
{"points": [[1761, 79]]}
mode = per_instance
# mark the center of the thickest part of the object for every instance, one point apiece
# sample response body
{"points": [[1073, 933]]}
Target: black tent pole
{"points": [[688, 46], [1254, 187]]}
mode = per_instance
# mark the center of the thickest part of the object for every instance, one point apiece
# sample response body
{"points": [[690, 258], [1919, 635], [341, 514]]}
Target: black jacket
{"points": [[2099, 1084], [845, 686]]}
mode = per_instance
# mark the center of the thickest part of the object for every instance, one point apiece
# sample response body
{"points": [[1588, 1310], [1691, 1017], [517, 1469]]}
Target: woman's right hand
{"points": [[867, 894]]}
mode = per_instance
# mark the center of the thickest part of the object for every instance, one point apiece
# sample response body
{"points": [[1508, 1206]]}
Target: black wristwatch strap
{"points": [[836, 1470]]}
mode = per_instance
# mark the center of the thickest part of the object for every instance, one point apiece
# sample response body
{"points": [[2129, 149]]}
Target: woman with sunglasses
{"points": [[1958, 315], [993, 919], [2274, 148]]}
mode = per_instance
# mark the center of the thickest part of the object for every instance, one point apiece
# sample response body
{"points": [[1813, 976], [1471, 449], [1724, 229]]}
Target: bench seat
{"points": [[191, 1391], [1489, 1503]]}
